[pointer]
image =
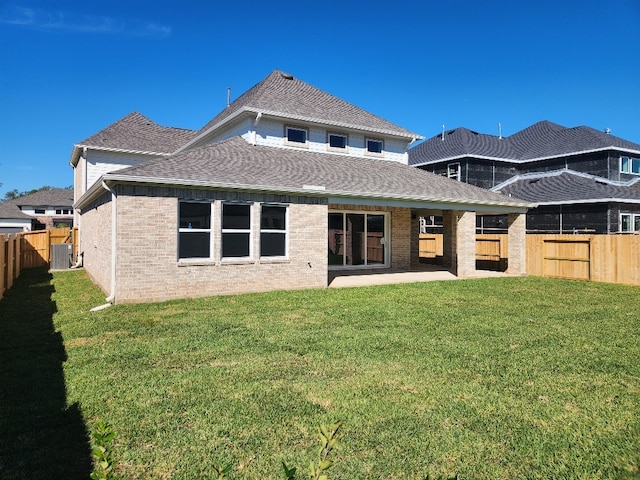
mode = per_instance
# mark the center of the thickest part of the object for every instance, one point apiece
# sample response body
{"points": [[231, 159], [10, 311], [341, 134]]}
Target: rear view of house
{"points": [[282, 187]]}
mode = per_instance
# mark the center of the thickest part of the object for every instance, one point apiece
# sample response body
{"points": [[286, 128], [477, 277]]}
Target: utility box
{"points": [[61, 256]]}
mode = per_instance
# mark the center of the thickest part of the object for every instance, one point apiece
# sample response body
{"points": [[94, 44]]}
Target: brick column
{"points": [[466, 244], [449, 239], [415, 239], [517, 254]]}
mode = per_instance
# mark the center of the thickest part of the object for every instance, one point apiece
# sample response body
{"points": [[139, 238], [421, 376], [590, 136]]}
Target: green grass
{"points": [[489, 379]]}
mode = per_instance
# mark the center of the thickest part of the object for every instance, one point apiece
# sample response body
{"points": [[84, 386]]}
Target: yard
{"points": [[496, 378]]}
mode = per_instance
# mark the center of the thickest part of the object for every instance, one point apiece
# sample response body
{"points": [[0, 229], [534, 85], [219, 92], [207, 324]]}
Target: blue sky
{"points": [[70, 68]]}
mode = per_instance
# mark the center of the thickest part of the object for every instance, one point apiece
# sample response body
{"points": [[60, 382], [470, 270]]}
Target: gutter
{"points": [[112, 287]]}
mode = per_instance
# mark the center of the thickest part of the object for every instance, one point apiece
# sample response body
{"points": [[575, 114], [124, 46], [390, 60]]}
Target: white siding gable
{"points": [[100, 162]]}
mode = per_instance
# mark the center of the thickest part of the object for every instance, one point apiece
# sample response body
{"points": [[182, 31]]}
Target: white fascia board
{"points": [[528, 160], [215, 127], [123, 150], [591, 200], [339, 197]]}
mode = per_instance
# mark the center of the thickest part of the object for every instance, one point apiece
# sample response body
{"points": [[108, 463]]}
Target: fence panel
{"points": [[36, 251]]}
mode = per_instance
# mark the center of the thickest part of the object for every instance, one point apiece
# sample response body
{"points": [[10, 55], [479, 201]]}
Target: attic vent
{"points": [[600, 182], [475, 133], [535, 180], [286, 75]]}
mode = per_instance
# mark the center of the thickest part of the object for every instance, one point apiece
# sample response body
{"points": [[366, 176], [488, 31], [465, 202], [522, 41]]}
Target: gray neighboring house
{"points": [[582, 179], [37, 211], [284, 187]]}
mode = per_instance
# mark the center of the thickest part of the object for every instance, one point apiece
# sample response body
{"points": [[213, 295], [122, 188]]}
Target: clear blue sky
{"points": [[70, 68]]}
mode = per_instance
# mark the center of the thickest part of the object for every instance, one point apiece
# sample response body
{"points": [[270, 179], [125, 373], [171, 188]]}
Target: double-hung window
{"points": [[236, 230], [194, 232], [273, 231]]}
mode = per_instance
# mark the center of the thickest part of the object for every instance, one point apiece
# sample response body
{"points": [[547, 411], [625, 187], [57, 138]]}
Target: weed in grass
{"points": [[104, 464]]}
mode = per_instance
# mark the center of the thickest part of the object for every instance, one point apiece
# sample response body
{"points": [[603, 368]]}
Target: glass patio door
{"points": [[357, 239]]}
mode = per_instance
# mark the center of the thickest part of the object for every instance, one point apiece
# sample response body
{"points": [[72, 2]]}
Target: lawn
{"points": [[497, 378]]}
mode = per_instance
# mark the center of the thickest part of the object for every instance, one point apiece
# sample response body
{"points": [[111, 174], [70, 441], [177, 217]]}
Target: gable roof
{"points": [[569, 186], [54, 197], [282, 95], [539, 141], [234, 164], [137, 133]]}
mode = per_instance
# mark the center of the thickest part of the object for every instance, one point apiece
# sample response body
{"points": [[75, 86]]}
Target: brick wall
{"points": [[95, 241], [147, 262]]}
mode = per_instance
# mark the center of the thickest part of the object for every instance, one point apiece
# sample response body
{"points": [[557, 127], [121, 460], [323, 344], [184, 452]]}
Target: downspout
{"points": [[253, 128], [112, 287]]}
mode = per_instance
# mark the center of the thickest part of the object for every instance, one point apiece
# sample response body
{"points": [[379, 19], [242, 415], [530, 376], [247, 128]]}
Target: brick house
{"points": [[581, 179], [285, 185]]}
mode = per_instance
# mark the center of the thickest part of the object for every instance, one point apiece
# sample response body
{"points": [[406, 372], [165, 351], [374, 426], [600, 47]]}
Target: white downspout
{"points": [[114, 198], [253, 128]]}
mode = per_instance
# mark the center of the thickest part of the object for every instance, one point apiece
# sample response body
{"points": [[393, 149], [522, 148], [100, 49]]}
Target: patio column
{"points": [[466, 244], [459, 242], [517, 254]]}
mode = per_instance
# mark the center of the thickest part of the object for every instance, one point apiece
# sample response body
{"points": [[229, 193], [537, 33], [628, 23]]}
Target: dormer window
{"points": [[337, 141], [374, 146], [297, 136]]}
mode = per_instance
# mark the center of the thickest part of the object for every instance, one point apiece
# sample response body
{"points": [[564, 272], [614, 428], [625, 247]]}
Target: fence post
{"points": [[3, 264]]}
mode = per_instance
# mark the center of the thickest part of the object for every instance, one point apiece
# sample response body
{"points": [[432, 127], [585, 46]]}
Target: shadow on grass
{"points": [[40, 436]]}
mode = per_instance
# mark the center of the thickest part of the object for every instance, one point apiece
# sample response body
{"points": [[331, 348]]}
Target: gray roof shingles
{"points": [[235, 162], [568, 186], [55, 197], [136, 132], [283, 95], [541, 140]]}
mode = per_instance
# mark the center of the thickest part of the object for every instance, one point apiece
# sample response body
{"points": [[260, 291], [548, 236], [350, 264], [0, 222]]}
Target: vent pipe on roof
{"points": [[607, 130], [228, 96], [443, 132], [499, 130]]}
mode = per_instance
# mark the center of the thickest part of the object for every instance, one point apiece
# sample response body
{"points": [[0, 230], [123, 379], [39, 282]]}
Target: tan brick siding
{"points": [[95, 241], [147, 262]]}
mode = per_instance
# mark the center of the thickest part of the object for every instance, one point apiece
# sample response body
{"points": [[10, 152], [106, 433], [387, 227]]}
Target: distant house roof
{"points": [[282, 95], [569, 186], [234, 164], [539, 141], [55, 197], [137, 133]]}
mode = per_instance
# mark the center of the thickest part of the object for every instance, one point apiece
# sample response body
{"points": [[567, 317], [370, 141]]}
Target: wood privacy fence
{"points": [[30, 250], [599, 258]]}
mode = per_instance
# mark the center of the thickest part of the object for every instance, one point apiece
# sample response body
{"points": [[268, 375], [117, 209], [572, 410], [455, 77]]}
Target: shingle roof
{"points": [[283, 95], [541, 140], [567, 186], [55, 197], [137, 133], [235, 163]]}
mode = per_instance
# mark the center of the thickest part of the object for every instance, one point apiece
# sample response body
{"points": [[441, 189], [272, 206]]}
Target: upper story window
{"points": [[63, 211], [297, 136], [337, 141], [194, 232], [629, 222], [453, 171], [39, 211], [630, 165], [374, 146]]}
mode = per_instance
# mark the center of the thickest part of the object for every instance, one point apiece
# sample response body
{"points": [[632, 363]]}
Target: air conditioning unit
{"points": [[61, 256]]}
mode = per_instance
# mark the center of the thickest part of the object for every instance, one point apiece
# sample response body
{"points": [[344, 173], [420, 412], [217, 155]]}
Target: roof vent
{"points": [[607, 130], [286, 75]]}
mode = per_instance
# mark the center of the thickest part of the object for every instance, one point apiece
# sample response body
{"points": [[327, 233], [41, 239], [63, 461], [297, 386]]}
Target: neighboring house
{"points": [[582, 180], [37, 211], [285, 185]]}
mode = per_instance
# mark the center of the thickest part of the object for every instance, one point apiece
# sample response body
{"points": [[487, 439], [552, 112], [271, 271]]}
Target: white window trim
{"points": [[269, 230], [296, 144], [630, 162], [457, 176], [236, 230], [373, 154], [338, 149], [632, 222], [196, 230]]}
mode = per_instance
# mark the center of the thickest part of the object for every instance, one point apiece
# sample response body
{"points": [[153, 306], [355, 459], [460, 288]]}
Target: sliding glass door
{"points": [[357, 239]]}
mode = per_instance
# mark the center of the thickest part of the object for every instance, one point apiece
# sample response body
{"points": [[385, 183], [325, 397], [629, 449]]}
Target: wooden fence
{"points": [[599, 258], [30, 250]]}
